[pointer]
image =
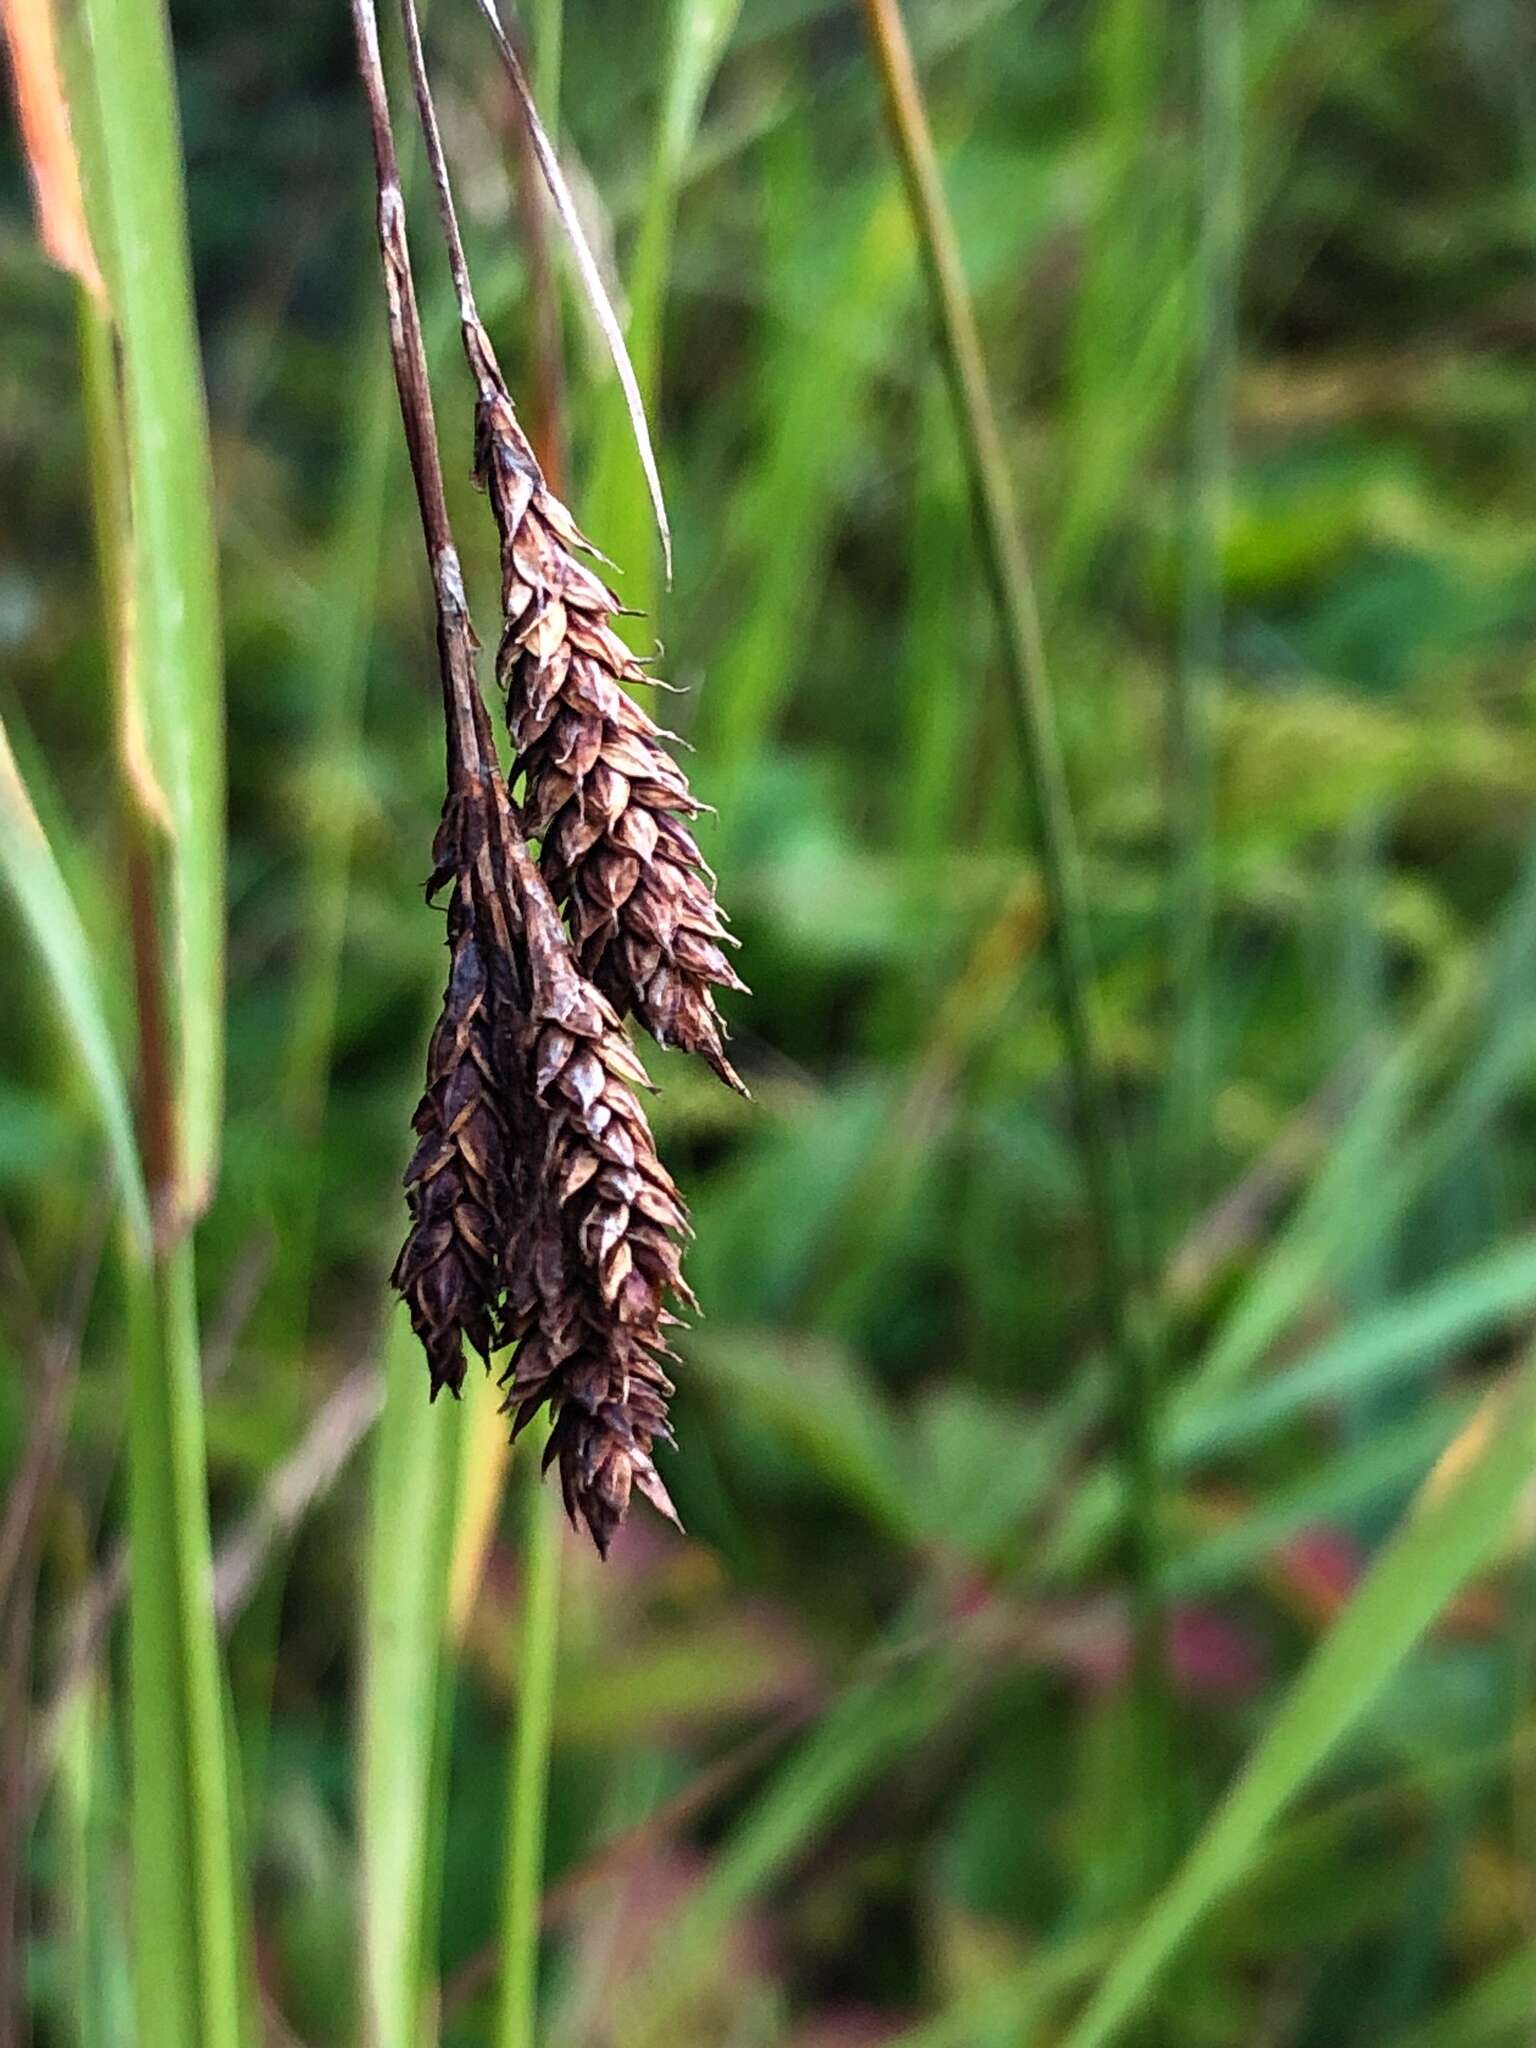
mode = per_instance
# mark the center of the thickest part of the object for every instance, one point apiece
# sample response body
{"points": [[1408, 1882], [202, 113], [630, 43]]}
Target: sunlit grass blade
{"points": [[34, 879], [1456, 1526], [416, 1480], [175, 574], [587, 271]]}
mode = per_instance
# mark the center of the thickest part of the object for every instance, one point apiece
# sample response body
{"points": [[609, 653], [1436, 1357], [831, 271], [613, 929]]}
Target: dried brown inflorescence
{"points": [[457, 1181], [608, 1259], [603, 795], [541, 1217]]}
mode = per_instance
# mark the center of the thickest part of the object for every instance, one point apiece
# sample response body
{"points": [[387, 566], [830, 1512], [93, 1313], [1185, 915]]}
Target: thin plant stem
{"points": [[528, 1775], [1105, 1159], [1192, 704]]}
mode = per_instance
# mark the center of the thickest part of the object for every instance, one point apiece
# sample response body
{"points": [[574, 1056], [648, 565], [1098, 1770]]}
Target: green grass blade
{"points": [[815, 383], [939, 641], [186, 1950], [1399, 1337], [416, 1471], [1354, 1201], [1430, 1558], [1359, 1480], [35, 880], [175, 576]]}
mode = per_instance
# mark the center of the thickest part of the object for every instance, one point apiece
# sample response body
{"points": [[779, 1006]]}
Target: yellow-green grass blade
{"points": [[175, 575], [1436, 1550]]}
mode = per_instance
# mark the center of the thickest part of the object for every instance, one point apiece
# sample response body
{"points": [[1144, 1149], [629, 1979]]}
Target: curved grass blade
{"points": [[1032, 706]]}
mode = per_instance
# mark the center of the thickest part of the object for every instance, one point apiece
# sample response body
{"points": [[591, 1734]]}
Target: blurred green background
{"points": [[858, 1761]]}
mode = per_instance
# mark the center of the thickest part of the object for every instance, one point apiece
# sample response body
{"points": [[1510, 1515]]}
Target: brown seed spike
{"points": [[609, 1218], [609, 801], [457, 1181]]}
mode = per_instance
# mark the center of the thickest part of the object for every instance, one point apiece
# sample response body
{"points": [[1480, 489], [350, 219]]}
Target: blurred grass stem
{"points": [[1008, 574]]}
